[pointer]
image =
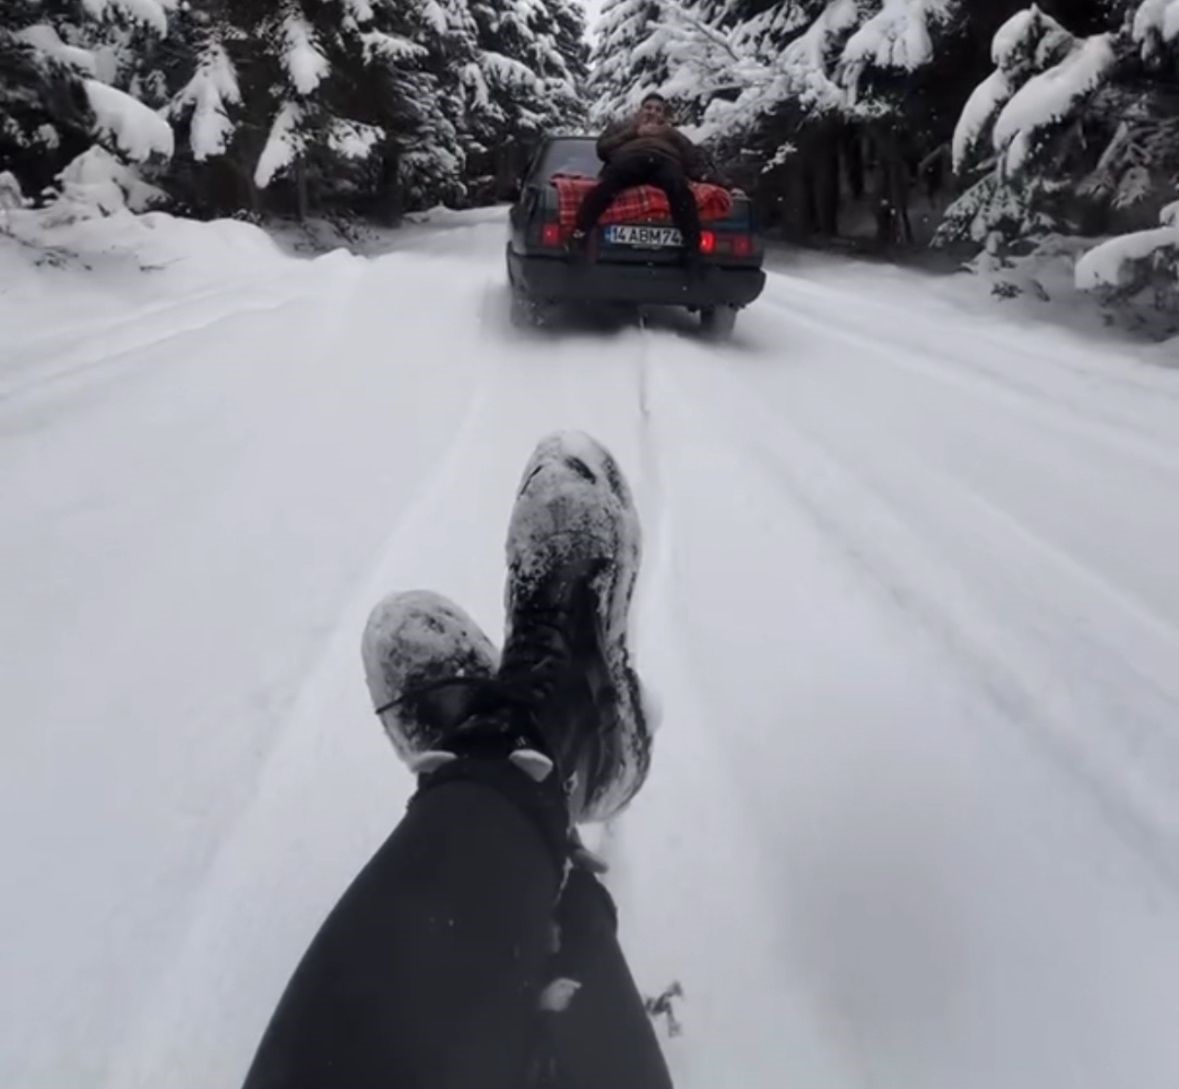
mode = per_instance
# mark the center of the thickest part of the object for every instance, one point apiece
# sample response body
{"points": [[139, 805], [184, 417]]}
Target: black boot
{"points": [[573, 557], [577, 245], [565, 703]]}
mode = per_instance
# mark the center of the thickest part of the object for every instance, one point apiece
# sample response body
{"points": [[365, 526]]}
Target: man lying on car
{"points": [[648, 150]]}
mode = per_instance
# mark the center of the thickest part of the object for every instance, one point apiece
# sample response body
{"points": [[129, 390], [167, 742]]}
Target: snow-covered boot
{"points": [[564, 706], [573, 557], [422, 654]]}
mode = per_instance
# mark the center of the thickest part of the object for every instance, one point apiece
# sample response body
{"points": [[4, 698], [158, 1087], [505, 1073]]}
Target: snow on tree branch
{"points": [[351, 139], [1051, 97], [435, 16], [981, 108], [476, 85], [1121, 262], [1156, 23], [390, 46], [283, 146], [360, 10], [1030, 42], [137, 131], [153, 13], [897, 36], [212, 89], [11, 197], [1159, 17], [97, 184], [304, 63], [806, 61], [46, 41], [507, 72], [749, 60]]}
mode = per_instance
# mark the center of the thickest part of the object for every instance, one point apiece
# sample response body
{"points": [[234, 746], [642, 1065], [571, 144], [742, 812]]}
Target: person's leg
{"points": [[428, 972], [413, 642], [616, 176], [671, 179], [605, 1036]]}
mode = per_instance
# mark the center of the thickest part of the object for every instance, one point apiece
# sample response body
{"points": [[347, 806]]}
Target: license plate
{"points": [[653, 238]]}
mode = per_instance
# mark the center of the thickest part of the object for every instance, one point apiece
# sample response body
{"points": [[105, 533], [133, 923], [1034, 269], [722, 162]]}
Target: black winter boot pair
{"points": [[558, 721]]}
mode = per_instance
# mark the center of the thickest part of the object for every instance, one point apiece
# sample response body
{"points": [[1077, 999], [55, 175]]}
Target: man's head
{"points": [[653, 110]]}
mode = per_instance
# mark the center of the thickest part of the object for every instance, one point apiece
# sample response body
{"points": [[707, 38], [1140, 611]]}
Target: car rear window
{"points": [[570, 157]]}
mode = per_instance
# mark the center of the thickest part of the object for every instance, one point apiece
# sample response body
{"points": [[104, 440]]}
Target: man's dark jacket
{"points": [[623, 139]]}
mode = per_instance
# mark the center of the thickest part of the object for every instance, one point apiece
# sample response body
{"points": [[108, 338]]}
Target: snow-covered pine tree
{"points": [[525, 80], [772, 101], [1134, 118], [749, 74], [217, 113], [75, 75], [689, 52], [429, 136], [1139, 166], [1065, 116], [345, 102], [1014, 130], [897, 69], [45, 116], [568, 65], [628, 58]]}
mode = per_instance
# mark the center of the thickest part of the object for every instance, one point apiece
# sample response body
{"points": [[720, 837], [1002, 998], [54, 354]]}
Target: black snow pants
{"points": [[428, 973], [644, 168]]}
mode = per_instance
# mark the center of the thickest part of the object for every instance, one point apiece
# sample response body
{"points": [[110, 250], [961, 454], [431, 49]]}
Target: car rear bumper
{"points": [[560, 279]]}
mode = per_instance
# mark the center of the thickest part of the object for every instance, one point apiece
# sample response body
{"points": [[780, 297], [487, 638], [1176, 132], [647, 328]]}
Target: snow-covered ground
{"points": [[910, 602]]}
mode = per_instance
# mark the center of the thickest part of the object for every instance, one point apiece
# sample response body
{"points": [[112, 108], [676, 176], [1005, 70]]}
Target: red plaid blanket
{"points": [[642, 202]]}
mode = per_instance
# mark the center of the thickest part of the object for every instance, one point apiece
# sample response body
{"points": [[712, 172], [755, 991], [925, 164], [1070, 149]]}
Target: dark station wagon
{"points": [[628, 263]]}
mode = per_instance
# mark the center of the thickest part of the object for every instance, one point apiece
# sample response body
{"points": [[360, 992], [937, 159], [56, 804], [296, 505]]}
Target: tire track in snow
{"points": [[951, 895], [909, 466], [654, 511], [299, 778], [1040, 463], [698, 864], [135, 354], [704, 894], [609, 840], [949, 319], [609, 399], [695, 903], [998, 660], [1019, 399], [103, 326]]}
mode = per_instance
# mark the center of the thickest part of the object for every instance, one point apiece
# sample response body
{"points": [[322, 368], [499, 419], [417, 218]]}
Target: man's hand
{"points": [[651, 128]]}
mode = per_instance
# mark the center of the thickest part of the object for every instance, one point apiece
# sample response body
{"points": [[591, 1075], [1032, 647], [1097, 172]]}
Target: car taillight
{"points": [[743, 245], [550, 235], [707, 242]]}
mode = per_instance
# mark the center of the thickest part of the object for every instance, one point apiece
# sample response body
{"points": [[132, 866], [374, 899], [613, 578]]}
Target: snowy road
{"points": [[910, 602]]}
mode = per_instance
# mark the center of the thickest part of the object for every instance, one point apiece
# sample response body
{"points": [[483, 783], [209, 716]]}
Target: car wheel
{"points": [[718, 321]]}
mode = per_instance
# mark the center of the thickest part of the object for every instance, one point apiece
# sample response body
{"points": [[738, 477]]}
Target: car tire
{"points": [[717, 322]]}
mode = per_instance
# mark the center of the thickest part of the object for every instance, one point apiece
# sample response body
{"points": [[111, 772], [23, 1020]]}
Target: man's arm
{"points": [[621, 132], [698, 164]]}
